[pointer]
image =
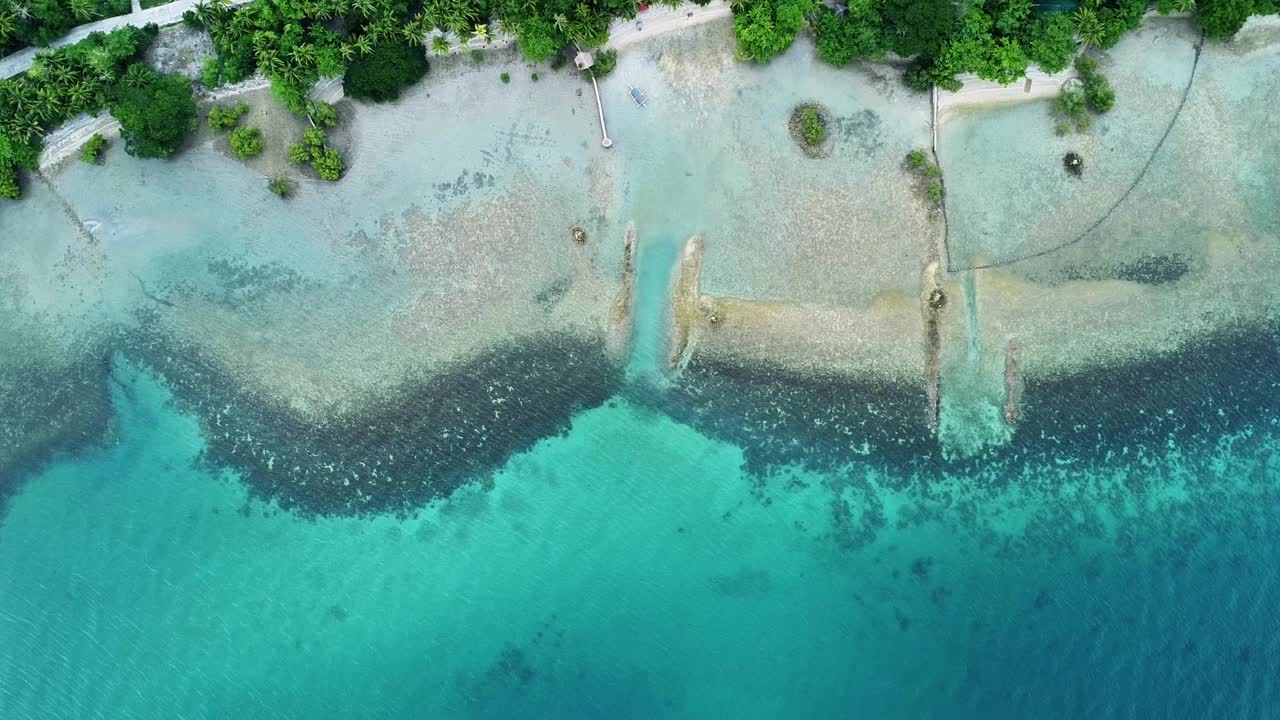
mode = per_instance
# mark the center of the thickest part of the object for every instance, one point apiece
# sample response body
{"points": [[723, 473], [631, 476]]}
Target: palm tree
{"points": [[560, 21], [80, 94], [481, 32], [363, 45], [347, 50], [84, 9], [440, 45], [1089, 27], [138, 75], [303, 54], [1185, 6], [8, 25]]}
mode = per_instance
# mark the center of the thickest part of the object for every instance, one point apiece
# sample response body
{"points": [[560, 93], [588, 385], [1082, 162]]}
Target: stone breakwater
{"points": [[397, 451]]}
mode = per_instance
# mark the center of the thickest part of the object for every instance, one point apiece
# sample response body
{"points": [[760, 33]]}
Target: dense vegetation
{"points": [[40, 22], [84, 77], [156, 112], [392, 66], [994, 39]]}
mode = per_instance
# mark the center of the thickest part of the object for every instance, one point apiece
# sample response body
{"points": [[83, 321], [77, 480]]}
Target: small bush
{"points": [[558, 61], [246, 142], [221, 118], [477, 57], [1063, 127], [534, 77], [314, 137], [933, 190], [811, 126], [328, 164], [92, 150], [1086, 65], [9, 188], [506, 78], [322, 113], [1098, 94], [917, 158], [299, 153], [280, 186]]}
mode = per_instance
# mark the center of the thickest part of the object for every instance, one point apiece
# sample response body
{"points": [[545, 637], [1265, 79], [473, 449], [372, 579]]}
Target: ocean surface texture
{"points": [[367, 455]]}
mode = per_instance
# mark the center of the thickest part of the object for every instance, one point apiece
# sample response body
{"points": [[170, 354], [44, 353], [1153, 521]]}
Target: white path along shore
{"points": [[168, 14]]}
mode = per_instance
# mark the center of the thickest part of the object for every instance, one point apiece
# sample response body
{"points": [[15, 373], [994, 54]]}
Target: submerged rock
{"points": [[1074, 164]]}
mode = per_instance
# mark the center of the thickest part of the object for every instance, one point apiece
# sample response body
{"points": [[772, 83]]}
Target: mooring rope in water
{"points": [[1186, 93]]}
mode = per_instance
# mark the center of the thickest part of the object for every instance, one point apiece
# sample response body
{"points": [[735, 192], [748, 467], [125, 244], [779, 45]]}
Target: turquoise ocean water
{"points": [[635, 567], [732, 543]]}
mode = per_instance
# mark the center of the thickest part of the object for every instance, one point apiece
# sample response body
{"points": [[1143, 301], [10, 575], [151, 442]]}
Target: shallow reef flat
{"points": [[1120, 414]]}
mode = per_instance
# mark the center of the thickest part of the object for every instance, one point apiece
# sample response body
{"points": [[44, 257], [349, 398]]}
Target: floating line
{"points": [[1186, 92]]}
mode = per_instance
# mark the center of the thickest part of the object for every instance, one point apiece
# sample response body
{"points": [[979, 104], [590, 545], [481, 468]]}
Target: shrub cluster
{"points": [[326, 161], [280, 186], [928, 177], [246, 142], [225, 118], [92, 151], [1093, 94], [811, 126]]}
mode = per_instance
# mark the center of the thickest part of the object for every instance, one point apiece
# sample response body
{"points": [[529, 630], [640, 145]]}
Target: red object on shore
{"points": [[642, 7]]}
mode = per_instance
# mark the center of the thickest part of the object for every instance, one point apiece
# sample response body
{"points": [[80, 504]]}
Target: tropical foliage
{"points": [[855, 34], [92, 151], [156, 112], [390, 67], [84, 77], [1075, 101], [40, 22], [765, 28], [246, 142], [314, 148], [225, 118], [605, 62], [811, 126]]}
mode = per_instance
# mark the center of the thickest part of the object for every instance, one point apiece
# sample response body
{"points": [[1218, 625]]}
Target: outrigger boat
{"points": [[637, 95]]}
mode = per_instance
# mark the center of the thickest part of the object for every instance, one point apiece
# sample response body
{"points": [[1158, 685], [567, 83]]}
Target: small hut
{"points": [[583, 60]]}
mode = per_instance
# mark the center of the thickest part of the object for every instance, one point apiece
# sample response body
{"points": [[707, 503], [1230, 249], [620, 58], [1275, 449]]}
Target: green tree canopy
{"points": [[855, 34], [155, 117], [389, 68]]}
